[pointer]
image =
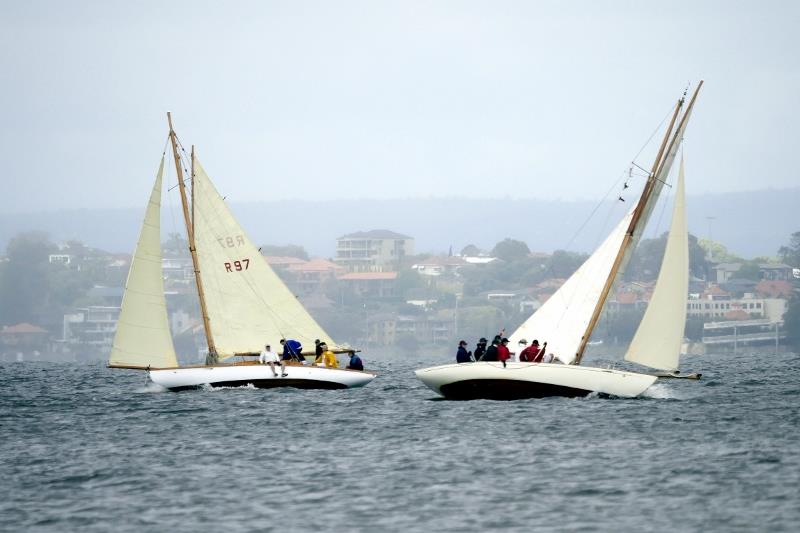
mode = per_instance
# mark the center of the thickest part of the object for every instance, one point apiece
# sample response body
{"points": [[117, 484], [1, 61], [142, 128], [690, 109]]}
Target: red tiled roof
{"points": [[23, 328], [716, 291], [775, 288], [627, 298], [368, 276]]}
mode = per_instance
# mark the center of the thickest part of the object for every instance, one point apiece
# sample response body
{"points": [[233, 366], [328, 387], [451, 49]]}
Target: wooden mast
{"points": [[212, 350], [636, 217]]}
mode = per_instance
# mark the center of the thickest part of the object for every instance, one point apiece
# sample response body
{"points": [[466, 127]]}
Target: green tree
{"points": [[790, 254], [646, 261], [24, 284], [407, 280], [717, 252], [287, 250], [563, 264], [699, 265], [510, 250], [176, 245], [67, 285], [623, 324], [791, 323], [749, 270], [470, 250]]}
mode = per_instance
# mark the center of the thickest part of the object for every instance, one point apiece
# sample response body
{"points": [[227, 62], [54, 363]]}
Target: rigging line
{"points": [[669, 113], [184, 157], [615, 184], [596, 208]]}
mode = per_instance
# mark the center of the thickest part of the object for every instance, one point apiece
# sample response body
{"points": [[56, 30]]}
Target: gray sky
{"points": [[329, 100]]}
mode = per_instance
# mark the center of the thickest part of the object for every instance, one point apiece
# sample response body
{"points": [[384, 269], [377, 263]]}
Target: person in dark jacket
{"points": [[318, 344], [491, 351], [480, 349], [463, 356], [292, 349], [355, 362]]}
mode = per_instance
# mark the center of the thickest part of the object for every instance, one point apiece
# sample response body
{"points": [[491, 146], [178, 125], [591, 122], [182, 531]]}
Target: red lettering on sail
{"points": [[237, 265]]}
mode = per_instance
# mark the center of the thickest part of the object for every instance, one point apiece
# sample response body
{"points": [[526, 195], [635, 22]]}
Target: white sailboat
{"points": [[569, 316], [244, 304]]}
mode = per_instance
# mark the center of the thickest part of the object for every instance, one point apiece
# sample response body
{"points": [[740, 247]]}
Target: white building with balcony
{"points": [[373, 251]]}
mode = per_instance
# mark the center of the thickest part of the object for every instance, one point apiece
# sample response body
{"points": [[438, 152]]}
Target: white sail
{"points": [[657, 342], [143, 338], [564, 317], [248, 304]]}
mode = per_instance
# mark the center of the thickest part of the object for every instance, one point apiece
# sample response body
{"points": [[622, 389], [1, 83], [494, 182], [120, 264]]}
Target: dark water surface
{"points": [[85, 448]]}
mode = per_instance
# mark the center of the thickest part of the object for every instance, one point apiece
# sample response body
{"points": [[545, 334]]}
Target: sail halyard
{"points": [[641, 214], [658, 339], [212, 350], [143, 338]]}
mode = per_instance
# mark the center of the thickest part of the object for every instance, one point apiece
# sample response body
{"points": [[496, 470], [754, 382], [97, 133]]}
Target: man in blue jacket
{"points": [[463, 356], [355, 362], [292, 350]]}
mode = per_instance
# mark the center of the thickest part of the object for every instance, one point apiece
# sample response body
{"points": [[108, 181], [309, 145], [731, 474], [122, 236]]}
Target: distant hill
{"points": [[749, 223]]}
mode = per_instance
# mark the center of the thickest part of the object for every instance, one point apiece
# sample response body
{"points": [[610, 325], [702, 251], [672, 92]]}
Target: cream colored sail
{"points": [[248, 304], [566, 314], [657, 342], [143, 338]]}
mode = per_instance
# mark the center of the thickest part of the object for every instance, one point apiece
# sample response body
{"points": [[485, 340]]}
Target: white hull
{"points": [[489, 380], [303, 377]]}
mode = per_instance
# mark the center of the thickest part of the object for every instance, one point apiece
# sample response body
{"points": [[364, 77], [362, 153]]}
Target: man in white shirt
{"points": [[271, 358]]}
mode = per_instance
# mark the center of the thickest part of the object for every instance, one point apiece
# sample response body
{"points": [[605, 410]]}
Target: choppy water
{"points": [[85, 448]]}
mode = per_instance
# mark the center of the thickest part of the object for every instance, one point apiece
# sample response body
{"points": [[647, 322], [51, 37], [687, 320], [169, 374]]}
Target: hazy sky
{"points": [[327, 100]]}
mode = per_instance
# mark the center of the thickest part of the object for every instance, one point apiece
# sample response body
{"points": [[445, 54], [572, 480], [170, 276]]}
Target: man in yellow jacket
{"points": [[326, 358]]}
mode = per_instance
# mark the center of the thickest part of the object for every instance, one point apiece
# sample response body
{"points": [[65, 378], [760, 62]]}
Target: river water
{"points": [[86, 448]]}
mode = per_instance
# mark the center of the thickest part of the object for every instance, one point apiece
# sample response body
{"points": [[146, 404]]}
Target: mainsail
{"points": [[565, 315], [658, 340], [143, 338], [248, 304], [566, 320]]}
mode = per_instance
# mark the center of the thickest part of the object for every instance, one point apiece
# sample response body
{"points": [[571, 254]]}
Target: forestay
{"points": [[248, 304], [143, 338], [658, 340]]}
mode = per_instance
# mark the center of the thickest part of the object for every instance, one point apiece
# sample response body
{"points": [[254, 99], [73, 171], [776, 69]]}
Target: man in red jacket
{"points": [[503, 353], [533, 354]]}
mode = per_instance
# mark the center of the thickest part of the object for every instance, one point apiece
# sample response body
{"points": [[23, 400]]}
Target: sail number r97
{"points": [[237, 266]]}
